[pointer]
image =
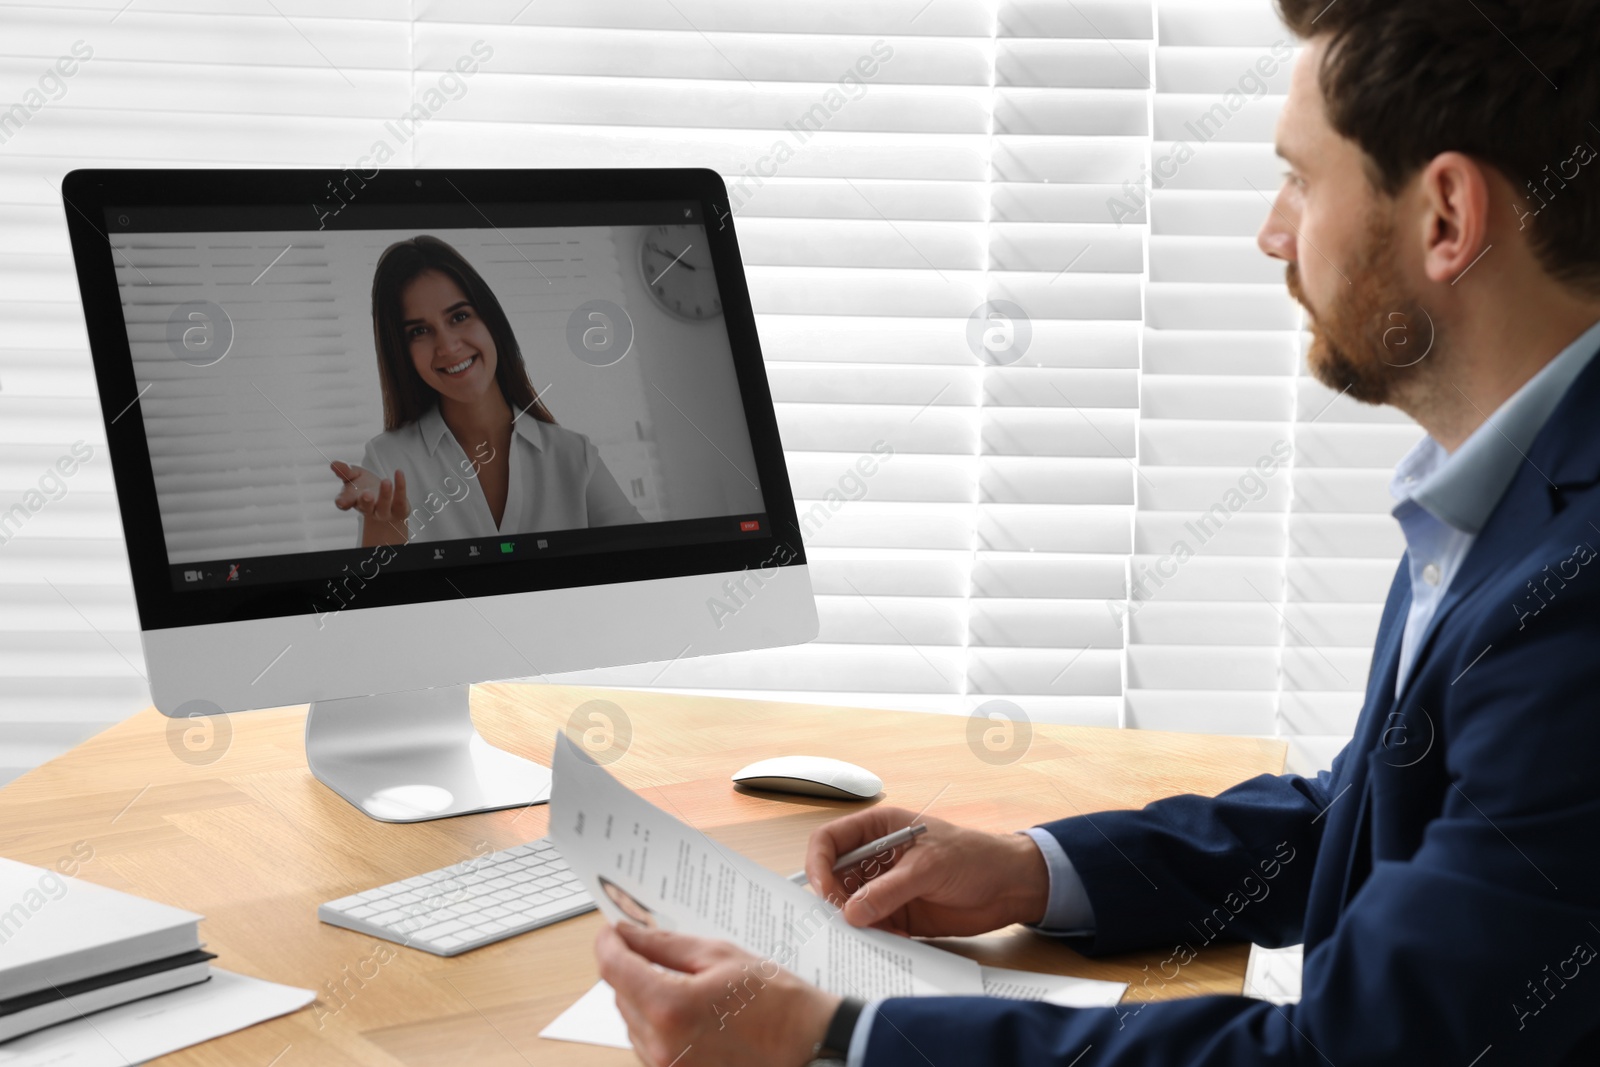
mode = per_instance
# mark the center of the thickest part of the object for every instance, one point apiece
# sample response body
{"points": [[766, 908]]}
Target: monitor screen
{"points": [[333, 390]]}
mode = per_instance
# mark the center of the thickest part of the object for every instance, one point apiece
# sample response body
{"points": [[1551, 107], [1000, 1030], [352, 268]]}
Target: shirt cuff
{"points": [[858, 1040], [1068, 913]]}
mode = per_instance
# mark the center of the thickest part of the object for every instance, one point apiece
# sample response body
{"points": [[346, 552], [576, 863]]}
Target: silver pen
{"points": [[882, 844]]}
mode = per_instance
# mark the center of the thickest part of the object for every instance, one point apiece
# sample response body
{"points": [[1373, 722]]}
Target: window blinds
{"points": [[971, 167], [226, 84], [898, 171], [1275, 484]]}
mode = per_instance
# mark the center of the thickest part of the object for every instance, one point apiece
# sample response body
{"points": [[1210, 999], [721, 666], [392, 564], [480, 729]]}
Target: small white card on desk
{"points": [[140, 1031], [594, 1019]]}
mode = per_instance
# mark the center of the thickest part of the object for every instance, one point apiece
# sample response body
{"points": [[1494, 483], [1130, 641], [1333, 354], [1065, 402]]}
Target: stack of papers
{"points": [[69, 948], [642, 865]]}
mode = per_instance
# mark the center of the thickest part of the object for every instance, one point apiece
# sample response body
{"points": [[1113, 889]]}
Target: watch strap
{"points": [[835, 1044]]}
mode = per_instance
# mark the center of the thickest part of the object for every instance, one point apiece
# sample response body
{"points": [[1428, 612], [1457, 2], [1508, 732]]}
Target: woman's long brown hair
{"points": [[406, 397]]}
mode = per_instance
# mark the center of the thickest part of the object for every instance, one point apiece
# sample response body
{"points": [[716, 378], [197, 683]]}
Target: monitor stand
{"points": [[410, 757]]}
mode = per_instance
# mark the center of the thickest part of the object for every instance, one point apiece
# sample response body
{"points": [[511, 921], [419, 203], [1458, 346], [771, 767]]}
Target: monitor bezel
{"points": [[87, 193]]}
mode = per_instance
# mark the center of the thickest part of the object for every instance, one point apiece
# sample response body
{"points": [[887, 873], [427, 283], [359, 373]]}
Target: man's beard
{"points": [[1373, 338]]}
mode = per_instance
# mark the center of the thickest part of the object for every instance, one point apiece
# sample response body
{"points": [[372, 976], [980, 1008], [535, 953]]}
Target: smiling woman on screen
{"points": [[458, 409]]}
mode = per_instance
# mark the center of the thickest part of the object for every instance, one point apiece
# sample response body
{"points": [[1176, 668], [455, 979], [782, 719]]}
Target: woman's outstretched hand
{"points": [[382, 503]]}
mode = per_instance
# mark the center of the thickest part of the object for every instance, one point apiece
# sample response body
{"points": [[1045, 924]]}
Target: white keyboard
{"points": [[469, 904]]}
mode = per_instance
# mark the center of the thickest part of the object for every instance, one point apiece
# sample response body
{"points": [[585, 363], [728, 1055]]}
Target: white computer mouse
{"points": [[816, 776]]}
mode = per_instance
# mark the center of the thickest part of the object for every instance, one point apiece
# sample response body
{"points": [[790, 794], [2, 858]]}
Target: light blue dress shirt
{"points": [[1442, 500]]}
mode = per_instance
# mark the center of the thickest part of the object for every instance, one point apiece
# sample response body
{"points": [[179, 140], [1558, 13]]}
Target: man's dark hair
{"points": [[1513, 83]]}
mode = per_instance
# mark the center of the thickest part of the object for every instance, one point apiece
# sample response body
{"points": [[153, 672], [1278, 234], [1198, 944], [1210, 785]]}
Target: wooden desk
{"points": [[254, 843]]}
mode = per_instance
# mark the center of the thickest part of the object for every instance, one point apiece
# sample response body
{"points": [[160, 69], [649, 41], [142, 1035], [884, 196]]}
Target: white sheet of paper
{"points": [[594, 1019], [145, 1029], [1054, 988], [642, 864]]}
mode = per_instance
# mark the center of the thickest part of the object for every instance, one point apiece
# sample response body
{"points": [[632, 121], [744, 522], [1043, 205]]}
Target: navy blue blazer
{"points": [[1444, 876]]}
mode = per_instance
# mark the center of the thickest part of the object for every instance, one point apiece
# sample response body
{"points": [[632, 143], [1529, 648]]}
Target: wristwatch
{"points": [[834, 1048]]}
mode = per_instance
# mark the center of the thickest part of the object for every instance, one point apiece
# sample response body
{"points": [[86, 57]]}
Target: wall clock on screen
{"points": [[676, 264]]}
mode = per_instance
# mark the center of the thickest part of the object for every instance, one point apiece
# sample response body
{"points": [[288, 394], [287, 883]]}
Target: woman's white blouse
{"points": [[557, 482]]}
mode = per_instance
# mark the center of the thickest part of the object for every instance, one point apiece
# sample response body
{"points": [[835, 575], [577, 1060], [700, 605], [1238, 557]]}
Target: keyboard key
{"points": [[555, 907], [438, 930]]}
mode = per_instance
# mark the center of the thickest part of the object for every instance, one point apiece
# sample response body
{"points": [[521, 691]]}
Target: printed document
{"points": [[643, 865]]}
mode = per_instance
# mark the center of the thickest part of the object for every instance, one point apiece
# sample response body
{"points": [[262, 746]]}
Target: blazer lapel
{"points": [[1341, 838], [1380, 696]]}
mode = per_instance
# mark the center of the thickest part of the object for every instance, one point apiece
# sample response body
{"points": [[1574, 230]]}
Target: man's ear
{"points": [[1453, 190]]}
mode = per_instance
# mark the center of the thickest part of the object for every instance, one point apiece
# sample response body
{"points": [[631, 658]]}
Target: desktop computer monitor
{"points": [[380, 435]]}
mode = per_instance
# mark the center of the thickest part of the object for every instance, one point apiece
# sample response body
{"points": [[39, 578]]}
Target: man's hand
{"points": [[952, 882], [731, 1007]]}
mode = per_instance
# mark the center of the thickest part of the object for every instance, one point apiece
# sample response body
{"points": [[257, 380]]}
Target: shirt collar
{"points": [[433, 429], [530, 430], [1462, 488]]}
